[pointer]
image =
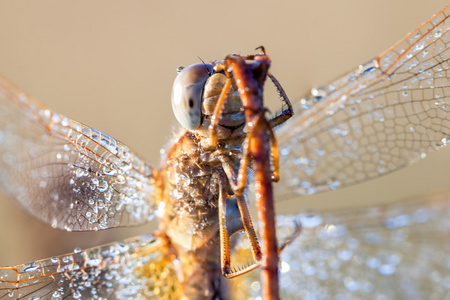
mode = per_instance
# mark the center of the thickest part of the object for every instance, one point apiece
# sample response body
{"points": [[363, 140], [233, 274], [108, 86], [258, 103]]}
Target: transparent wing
{"points": [[384, 115], [67, 174], [136, 268], [398, 251]]}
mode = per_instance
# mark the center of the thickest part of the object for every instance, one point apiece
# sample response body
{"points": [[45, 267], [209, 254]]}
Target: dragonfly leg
{"points": [[227, 271], [275, 155], [279, 119], [288, 111], [218, 109], [249, 80], [239, 181], [225, 236], [291, 238], [248, 227], [223, 231]]}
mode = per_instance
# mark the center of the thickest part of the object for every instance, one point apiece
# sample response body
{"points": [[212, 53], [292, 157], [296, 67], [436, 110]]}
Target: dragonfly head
{"points": [[195, 93]]}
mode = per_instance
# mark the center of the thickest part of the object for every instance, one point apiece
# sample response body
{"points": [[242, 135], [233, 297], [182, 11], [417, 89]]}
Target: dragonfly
{"points": [[384, 115]]}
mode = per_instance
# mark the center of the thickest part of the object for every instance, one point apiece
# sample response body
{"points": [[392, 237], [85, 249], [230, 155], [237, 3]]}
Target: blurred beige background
{"points": [[110, 64]]}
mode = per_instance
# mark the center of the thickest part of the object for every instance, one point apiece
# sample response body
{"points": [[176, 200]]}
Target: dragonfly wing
{"points": [[398, 251], [136, 268], [67, 174], [385, 115]]}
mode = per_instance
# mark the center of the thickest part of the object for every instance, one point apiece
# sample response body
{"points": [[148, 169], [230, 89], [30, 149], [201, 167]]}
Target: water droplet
{"points": [[108, 196], [56, 296], [310, 221], [119, 206], [93, 262], [445, 141], [31, 266], [180, 68], [110, 172], [285, 267], [102, 186], [351, 284], [79, 173], [120, 179], [345, 255], [308, 270], [94, 181], [101, 160], [373, 262], [65, 121], [386, 269], [108, 276], [334, 184]]}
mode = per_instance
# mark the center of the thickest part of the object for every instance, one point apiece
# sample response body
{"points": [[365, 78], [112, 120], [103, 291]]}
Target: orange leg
{"points": [[261, 147], [225, 236], [249, 80], [218, 109]]}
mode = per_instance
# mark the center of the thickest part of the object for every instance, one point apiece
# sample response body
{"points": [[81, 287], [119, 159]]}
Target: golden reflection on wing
{"points": [[66, 174], [385, 115], [396, 251], [137, 268]]}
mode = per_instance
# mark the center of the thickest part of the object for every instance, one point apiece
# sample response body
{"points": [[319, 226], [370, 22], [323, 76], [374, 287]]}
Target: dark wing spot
{"points": [[191, 103]]}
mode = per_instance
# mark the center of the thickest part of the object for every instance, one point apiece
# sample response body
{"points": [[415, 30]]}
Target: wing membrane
{"points": [[398, 251], [136, 268], [67, 174], [386, 114]]}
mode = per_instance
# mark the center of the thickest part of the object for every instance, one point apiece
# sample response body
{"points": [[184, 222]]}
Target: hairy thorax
{"points": [[190, 188]]}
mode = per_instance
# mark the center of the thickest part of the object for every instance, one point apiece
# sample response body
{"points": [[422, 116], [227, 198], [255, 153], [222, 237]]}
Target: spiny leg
{"points": [[223, 231], [218, 109], [286, 113], [277, 120], [239, 181], [254, 244], [246, 223], [248, 227], [239, 184], [291, 237], [275, 155], [249, 80]]}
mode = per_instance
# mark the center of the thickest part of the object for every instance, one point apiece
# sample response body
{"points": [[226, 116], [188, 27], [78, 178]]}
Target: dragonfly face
{"points": [[361, 60]]}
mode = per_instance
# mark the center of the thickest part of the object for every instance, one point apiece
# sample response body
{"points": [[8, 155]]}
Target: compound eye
{"points": [[187, 94]]}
